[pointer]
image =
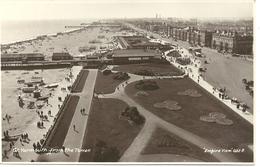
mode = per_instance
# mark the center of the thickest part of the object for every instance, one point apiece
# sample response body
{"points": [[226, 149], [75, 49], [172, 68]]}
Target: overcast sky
{"points": [[65, 9]]}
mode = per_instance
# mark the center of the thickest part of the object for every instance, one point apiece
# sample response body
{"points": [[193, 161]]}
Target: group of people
{"points": [[82, 111], [6, 134], [24, 138], [5, 152], [123, 85], [40, 124], [37, 147], [222, 95], [7, 118], [43, 117]]}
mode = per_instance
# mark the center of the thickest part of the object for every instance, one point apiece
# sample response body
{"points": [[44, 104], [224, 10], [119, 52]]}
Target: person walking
{"points": [[5, 154], [63, 148], [74, 127], [34, 146]]}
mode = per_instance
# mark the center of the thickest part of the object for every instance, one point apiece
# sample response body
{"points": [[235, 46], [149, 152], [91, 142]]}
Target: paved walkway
{"points": [[247, 115], [74, 138], [153, 121], [35, 134], [194, 74]]}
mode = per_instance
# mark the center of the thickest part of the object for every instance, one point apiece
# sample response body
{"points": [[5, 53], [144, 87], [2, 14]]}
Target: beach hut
{"points": [[36, 93], [28, 89]]}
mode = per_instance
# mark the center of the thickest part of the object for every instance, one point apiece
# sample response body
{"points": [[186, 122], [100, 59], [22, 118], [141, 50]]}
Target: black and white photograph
{"points": [[128, 82]]}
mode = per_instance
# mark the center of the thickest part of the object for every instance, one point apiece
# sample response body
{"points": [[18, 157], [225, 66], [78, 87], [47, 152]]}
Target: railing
{"points": [[58, 116]]}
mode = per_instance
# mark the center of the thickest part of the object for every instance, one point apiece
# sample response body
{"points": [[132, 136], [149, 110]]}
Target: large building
{"points": [[61, 56], [124, 56], [206, 38], [23, 57], [206, 35], [138, 42], [232, 42]]}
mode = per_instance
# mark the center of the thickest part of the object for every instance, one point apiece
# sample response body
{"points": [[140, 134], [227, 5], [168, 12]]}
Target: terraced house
{"points": [[232, 42]]}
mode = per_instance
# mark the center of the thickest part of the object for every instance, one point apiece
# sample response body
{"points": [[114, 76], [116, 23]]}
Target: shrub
{"points": [[107, 72], [183, 61], [132, 114], [144, 73], [121, 76], [146, 85]]}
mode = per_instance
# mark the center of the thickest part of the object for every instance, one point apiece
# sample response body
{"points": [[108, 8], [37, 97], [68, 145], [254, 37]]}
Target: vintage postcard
{"points": [[127, 82]]}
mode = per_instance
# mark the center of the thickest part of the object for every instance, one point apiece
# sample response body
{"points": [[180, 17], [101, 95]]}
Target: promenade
{"points": [[75, 135], [193, 73]]}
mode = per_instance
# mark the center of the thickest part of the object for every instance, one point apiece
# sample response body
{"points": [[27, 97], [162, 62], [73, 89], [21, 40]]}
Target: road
{"points": [[222, 71]]}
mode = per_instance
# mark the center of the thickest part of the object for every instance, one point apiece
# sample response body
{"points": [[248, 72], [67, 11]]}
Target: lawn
{"points": [[104, 124], [237, 135], [61, 127], [164, 142], [156, 68], [79, 83], [105, 83]]}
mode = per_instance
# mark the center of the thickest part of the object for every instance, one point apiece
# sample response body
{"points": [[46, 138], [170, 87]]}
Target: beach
{"points": [[23, 118], [84, 41]]}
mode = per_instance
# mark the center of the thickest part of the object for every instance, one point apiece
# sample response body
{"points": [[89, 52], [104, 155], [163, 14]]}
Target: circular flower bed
{"points": [[168, 104], [216, 117], [190, 92], [141, 93]]}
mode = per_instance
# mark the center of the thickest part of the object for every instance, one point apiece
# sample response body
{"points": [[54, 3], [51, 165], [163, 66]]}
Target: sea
{"points": [[13, 31]]}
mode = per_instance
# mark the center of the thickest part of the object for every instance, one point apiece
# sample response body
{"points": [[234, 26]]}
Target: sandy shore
{"points": [[70, 42], [24, 117]]}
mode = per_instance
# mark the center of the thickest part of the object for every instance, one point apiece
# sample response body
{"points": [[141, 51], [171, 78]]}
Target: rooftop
{"points": [[22, 55], [61, 54], [135, 53]]}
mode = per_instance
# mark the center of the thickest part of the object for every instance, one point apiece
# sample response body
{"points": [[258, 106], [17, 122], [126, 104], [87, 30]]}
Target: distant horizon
{"points": [[186, 9], [127, 18]]}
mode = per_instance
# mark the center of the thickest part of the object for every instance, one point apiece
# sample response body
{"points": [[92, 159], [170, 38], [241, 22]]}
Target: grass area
{"points": [[104, 124], [57, 136], [164, 142], [79, 83], [188, 118], [106, 84], [156, 68]]}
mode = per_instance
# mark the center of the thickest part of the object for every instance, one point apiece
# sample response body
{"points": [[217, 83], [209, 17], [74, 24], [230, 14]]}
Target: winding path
{"points": [[152, 121]]}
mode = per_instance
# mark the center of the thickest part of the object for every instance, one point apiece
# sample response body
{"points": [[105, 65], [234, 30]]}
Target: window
{"points": [[134, 58]]}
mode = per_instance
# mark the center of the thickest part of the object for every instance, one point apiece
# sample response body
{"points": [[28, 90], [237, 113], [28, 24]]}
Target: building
{"points": [[139, 42], [243, 44], [232, 42], [23, 57], [61, 56], [206, 38], [223, 41], [126, 56]]}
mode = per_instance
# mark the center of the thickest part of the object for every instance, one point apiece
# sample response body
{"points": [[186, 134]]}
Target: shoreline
{"points": [[39, 36], [29, 126]]}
